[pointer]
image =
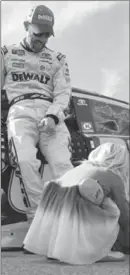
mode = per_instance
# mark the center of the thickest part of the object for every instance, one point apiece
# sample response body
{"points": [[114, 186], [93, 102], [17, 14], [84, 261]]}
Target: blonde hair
{"points": [[114, 157]]}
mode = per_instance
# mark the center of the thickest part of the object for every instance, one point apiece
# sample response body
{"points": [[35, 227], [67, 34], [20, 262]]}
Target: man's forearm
{"points": [[59, 105], [2, 72]]}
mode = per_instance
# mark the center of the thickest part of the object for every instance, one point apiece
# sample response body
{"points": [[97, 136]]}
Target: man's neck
{"points": [[26, 46]]}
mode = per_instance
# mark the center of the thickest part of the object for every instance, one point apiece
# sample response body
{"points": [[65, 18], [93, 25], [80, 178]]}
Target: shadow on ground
{"points": [[17, 263]]}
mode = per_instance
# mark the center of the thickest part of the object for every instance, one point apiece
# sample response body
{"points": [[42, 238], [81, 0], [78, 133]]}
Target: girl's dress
{"points": [[70, 228]]}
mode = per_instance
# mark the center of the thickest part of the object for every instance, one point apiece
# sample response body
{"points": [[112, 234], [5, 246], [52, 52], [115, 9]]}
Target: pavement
{"points": [[17, 263]]}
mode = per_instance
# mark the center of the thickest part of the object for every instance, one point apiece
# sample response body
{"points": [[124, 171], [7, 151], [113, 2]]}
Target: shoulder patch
{"points": [[18, 51], [60, 56], [4, 49]]}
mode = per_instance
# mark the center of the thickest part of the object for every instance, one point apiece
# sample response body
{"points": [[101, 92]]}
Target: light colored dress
{"points": [[68, 227]]}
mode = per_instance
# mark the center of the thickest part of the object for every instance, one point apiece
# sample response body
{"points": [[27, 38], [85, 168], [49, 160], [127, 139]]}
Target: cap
{"points": [[42, 19], [90, 189]]}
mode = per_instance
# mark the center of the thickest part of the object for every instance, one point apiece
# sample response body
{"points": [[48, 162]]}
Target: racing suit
{"points": [[44, 74]]}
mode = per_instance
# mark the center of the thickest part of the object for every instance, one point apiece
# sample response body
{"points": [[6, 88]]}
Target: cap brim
{"points": [[42, 28]]}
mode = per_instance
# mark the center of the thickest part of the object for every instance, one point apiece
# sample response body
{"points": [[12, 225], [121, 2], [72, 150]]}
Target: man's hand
{"points": [[47, 125]]}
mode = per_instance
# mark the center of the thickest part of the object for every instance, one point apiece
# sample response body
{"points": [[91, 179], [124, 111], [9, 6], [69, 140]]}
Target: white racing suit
{"points": [[45, 73]]}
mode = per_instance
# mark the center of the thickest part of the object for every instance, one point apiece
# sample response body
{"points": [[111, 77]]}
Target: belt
{"points": [[30, 96]]}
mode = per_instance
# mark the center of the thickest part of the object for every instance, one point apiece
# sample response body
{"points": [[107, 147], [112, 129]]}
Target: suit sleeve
{"points": [[2, 69], [62, 90]]}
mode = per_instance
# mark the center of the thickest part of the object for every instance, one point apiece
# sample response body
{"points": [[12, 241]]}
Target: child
{"points": [[77, 219]]}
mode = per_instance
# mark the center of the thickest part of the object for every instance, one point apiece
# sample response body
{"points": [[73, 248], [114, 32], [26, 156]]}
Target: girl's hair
{"points": [[114, 157]]}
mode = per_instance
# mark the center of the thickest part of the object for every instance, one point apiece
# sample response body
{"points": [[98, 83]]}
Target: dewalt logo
{"points": [[19, 77]]}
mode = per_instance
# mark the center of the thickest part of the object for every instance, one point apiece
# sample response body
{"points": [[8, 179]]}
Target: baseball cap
{"points": [[42, 19], [90, 189]]}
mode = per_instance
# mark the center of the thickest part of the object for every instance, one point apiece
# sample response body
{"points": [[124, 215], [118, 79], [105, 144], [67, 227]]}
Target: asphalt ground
{"points": [[17, 263]]}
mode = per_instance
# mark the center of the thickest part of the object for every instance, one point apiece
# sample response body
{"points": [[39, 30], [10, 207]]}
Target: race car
{"points": [[92, 119]]}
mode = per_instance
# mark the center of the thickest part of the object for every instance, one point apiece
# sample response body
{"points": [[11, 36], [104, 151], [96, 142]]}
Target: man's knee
{"points": [[29, 161], [59, 166], [24, 159]]}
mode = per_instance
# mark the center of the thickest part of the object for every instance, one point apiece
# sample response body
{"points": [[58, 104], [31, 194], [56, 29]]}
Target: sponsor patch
{"points": [[66, 72], [42, 68], [4, 49], [17, 65], [45, 68], [19, 77], [81, 102], [17, 59], [60, 56], [87, 127], [18, 52], [45, 61], [67, 77], [46, 56], [45, 17]]}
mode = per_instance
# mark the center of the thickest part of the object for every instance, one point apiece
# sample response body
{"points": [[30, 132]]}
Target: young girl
{"points": [[77, 219]]}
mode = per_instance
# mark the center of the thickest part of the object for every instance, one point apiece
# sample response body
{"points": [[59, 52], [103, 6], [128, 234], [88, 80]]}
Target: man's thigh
{"points": [[57, 149], [25, 137]]}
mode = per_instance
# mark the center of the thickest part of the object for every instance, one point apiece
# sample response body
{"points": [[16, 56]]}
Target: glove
{"points": [[47, 125]]}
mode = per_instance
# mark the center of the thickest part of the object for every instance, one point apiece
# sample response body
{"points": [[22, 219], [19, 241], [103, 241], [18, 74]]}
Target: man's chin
{"points": [[37, 48]]}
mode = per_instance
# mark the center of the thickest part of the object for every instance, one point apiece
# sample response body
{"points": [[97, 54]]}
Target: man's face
{"points": [[36, 41]]}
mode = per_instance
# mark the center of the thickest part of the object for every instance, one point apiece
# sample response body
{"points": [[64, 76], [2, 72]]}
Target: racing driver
{"points": [[37, 82]]}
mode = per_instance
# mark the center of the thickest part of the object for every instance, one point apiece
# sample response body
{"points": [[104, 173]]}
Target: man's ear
{"points": [[26, 25]]}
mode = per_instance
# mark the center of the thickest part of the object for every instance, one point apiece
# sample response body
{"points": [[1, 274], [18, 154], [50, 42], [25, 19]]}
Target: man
{"points": [[37, 83]]}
